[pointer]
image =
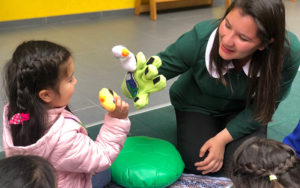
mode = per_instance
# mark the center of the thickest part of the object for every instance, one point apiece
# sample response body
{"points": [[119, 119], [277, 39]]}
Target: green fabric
{"points": [[147, 162], [287, 115], [143, 81], [196, 90], [2, 155]]}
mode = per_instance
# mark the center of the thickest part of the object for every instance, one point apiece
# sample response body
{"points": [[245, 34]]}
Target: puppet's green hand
{"points": [[144, 80]]}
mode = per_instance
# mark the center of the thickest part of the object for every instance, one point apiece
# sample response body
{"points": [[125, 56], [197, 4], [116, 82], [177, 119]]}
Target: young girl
{"points": [[265, 163], [36, 121], [26, 171]]}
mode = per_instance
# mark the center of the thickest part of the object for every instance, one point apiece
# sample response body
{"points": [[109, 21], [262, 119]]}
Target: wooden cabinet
{"points": [[153, 5]]}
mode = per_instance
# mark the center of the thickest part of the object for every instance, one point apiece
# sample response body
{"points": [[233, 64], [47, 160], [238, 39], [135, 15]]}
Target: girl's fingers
{"points": [[121, 110]]}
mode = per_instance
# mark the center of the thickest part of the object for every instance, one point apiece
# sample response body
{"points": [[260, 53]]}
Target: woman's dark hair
{"points": [[269, 15], [26, 171], [258, 158], [35, 65]]}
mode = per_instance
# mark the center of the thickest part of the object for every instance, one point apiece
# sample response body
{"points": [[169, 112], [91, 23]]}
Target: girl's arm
{"points": [[76, 152]]}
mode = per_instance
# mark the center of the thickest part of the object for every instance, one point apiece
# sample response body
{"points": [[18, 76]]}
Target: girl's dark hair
{"points": [[257, 158], [269, 15], [26, 171], [35, 65]]}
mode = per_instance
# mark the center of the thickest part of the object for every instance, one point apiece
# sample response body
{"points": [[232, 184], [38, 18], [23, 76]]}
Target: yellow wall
{"points": [[26, 9]]}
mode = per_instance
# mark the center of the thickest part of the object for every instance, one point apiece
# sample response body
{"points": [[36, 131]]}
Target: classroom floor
{"points": [[91, 40]]}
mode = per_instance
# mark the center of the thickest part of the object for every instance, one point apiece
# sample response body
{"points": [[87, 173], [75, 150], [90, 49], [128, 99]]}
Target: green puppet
{"points": [[138, 84]]}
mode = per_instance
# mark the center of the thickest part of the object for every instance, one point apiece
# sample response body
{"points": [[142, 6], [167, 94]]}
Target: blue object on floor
{"points": [[293, 139], [101, 179]]}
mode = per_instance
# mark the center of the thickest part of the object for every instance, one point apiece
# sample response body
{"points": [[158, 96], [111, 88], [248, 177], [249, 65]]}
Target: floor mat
{"points": [[198, 181], [194, 181]]}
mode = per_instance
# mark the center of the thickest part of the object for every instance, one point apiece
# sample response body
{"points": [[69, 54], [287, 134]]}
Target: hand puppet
{"points": [[106, 98], [141, 78]]}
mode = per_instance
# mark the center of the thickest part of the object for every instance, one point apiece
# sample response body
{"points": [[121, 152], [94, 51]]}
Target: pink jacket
{"points": [[67, 146]]}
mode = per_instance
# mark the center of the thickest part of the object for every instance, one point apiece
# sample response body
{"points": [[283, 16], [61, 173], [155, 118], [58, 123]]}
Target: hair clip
{"points": [[18, 118], [272, 177]]}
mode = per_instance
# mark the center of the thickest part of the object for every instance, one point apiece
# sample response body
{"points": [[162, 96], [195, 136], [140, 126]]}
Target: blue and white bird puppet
{"points": [[126, 57]]}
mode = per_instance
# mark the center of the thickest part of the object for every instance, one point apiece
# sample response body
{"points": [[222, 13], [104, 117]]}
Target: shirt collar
{"points": [[230, 65]]}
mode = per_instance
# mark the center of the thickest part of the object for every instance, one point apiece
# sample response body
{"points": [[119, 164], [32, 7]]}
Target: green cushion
{"points": [[147, 162]]}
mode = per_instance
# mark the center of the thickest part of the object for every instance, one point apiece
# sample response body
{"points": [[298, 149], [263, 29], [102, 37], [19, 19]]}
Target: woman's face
{"points": [[238, 36]]}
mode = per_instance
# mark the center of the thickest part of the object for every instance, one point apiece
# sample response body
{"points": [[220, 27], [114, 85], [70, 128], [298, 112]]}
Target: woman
{"points": [[233, 74]]}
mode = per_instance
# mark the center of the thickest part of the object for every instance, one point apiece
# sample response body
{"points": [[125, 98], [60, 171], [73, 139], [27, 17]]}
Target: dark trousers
{"points": [[194, 129]]}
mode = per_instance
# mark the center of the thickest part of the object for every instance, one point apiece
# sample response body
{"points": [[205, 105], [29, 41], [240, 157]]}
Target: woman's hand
{"points": [[216, 148], [121, 110]]}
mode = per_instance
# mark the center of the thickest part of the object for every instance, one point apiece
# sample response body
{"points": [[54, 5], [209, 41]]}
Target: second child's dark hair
{"points": [[35, 65], [258, 158], [26, 171], [269, 15]]}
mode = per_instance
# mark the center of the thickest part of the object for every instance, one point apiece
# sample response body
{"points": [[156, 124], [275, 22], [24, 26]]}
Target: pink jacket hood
{"points": [[69, 149]]}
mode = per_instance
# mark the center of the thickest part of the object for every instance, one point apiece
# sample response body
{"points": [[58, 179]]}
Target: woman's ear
{"points": [[265, 46], [47, 95], [271, 40]]}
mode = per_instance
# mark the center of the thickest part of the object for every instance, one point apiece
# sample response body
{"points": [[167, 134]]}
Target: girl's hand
{"points": [[121, 110], [216, 148]]}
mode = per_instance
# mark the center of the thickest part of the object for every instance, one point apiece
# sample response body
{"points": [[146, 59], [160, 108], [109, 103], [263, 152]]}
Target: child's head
{"points": [[265, 163], [25, 171], [39, 76]]}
